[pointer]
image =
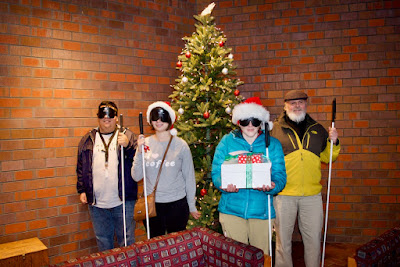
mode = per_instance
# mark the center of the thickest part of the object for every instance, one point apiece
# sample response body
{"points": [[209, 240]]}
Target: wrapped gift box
{"points": [[246, 171]]}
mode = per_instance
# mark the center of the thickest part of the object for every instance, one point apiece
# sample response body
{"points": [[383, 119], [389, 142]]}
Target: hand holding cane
{"points": [[267, 142], [144, 178], [329, 182], [123, 179]]}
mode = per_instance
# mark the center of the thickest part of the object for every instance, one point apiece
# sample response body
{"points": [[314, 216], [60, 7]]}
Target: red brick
{"points": [[376, 22], [54, 142], [25, 195], [45, 193], [386, 81], [359, 40], [57, 202], [30, 62], [117, 77], [359, 57], [37, 224], [71, 45], [42, 73], [388, 199], [378, 106], [71, 26], [368, 81], [394, 72], [341, 58], [62, 93], [15, 228], [280, 22], [45, 173], [307, 60], [267, 70], [23, 175], [30, 41], [52, 63]]}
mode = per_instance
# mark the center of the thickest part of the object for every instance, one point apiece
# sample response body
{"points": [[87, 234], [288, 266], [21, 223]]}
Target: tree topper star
{"points": [[208, 10]]}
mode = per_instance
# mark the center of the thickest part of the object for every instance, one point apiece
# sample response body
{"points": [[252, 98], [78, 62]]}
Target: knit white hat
{"points": [[166, 106], [251, 108]]}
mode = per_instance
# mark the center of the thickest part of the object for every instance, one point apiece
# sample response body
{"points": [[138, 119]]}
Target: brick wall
{"points": [[58, 61], [344, 49]]}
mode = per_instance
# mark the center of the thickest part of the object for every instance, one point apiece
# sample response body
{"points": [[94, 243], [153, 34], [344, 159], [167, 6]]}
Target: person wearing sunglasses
{"points": [[306, 144], [99, 176], [176, 187], [243, 213]]}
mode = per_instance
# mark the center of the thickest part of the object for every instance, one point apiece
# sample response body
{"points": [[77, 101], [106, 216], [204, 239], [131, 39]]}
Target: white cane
{"points": [[144, 178], [269, 196], [123, 180], [329, 183]]}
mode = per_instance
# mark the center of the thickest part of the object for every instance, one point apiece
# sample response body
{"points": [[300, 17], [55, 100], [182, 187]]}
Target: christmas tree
{"points": [[204, 95]]}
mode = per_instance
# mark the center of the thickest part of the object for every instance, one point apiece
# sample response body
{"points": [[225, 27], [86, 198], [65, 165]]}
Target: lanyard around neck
{"points": [[106, 146]]}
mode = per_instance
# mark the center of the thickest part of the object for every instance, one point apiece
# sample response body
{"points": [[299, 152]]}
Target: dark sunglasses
{"points": [[160, 113], [109, 111], [255, 122]]}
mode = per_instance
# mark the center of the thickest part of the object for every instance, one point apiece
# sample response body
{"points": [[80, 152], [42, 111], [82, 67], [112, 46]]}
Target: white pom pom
{"points": [[270, 125], [173, 132]]}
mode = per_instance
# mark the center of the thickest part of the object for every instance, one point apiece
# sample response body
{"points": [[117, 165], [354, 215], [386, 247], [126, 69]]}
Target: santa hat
{"points": [[251, 108], [166, 106]]}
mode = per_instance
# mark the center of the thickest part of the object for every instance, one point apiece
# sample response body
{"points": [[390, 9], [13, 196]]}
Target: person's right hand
{"points": [[231, 188], [140, 141], [83, 198]]}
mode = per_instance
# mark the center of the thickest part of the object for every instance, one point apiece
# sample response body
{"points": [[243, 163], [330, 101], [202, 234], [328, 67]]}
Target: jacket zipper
{"points": [[94, 197]]}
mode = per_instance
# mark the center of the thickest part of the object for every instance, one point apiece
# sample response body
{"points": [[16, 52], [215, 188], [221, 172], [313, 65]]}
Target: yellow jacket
{"points": [[303, 157]]}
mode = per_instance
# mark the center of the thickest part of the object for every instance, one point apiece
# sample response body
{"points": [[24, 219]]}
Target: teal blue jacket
{"points": [[249, 203]]}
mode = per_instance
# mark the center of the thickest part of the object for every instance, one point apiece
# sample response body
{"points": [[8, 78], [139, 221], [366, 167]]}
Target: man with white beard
{"points": [[305, 145]]}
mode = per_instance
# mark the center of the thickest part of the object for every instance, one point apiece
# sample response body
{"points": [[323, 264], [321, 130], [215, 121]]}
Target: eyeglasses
{"points": [[160, 114], [255, 122], [106, 111]]}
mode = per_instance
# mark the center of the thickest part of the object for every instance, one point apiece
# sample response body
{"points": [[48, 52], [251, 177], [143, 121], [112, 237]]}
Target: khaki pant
{"points": [[250, 231], [308, 211]]}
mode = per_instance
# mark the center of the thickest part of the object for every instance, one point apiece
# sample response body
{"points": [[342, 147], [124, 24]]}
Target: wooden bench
{"points": [[27, 252]]}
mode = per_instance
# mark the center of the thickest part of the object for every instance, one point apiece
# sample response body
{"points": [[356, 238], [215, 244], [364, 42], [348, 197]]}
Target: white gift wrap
{"points": [[252, 175]]}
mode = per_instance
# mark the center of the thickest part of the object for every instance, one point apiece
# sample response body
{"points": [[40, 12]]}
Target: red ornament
{"points": [[206, 115], [203, 192], [237, 92], [179, 64], [188, 54], [221, 44]]}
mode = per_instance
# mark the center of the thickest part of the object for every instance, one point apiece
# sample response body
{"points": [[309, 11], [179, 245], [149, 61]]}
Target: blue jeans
{"points": [[107, 222]]}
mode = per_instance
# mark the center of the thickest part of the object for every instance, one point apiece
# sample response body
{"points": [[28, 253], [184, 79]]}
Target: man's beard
{"points": [[296, 118]]}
